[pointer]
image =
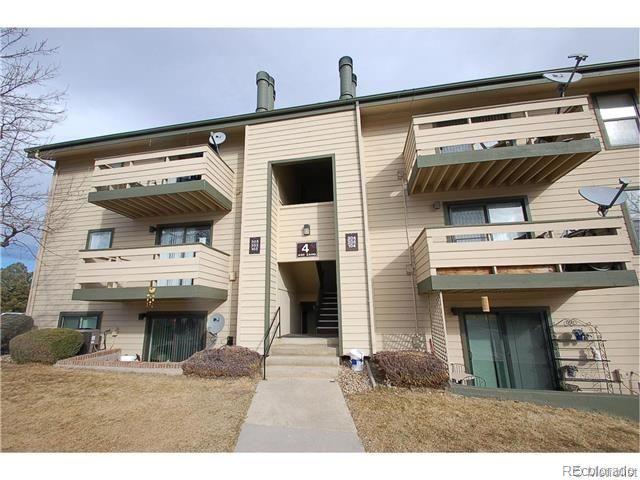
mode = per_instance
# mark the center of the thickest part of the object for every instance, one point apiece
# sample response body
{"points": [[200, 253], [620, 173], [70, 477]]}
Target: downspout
{"points": [[365, 233], [411, 259]]}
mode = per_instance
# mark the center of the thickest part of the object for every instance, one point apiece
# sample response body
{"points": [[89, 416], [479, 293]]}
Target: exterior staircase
{"points": [[303, 357], [327, 322]]}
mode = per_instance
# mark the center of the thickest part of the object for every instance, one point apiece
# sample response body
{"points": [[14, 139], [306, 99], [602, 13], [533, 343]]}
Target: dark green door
{"points": [[510, 349], [173, 337]]}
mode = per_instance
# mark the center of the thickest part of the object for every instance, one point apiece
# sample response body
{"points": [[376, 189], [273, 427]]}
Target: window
{"points": [[489, 211], [99, 239], [179, 234], [89, 320], [631, 209], [618, 117]]}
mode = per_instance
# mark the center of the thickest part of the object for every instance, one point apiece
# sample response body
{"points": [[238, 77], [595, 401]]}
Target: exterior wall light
{"points": [[306, 230], [485, 304]]}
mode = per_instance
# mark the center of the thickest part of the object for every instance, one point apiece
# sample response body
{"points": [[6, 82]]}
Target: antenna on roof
{"points": [[565, 78], [605, 197], [216, 139]]}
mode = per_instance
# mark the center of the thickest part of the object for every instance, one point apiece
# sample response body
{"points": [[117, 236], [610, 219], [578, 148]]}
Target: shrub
{"points": [[45, 346], [411, 368], [223, 362], [12, 325]]}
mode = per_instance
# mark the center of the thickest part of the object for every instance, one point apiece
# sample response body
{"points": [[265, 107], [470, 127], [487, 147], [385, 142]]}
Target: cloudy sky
{"points": [[119, 80]]}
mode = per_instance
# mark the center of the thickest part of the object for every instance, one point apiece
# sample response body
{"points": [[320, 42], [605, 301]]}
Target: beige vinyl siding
{"points": [[73, 216], [322, 136], [320, 218], [615, 311]]}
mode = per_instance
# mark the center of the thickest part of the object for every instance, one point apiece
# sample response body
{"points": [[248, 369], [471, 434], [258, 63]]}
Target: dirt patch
{"points": [[401, 420], [47, 409]]}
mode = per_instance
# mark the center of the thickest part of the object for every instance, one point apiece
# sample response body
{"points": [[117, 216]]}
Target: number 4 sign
{"points": [[307, 249]]}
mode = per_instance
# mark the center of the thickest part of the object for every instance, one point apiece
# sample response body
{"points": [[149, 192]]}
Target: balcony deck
{"points": [[515, 144], [177, 271], [168, 182], [574, 254]]}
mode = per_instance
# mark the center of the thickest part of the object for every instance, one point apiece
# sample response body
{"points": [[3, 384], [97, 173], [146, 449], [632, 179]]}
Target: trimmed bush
{"points": [[45, 346], [223, 362], [12, 325], [409, 368]]}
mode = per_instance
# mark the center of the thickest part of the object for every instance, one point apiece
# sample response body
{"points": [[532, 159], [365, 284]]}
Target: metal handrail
{"points": [[267, 341]]}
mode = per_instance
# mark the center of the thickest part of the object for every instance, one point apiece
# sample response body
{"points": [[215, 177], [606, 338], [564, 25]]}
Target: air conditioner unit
{"points": [[91, 341]]}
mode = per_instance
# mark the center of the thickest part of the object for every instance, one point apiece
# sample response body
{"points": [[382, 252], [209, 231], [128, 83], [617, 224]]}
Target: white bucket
{"points": [[357, 360], [127, 358]]}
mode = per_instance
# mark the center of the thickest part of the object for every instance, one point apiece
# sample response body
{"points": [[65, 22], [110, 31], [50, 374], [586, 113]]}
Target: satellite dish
{"points": [[563, 77], [215, 323], [216, 139], [605, 197], [219, 137]]}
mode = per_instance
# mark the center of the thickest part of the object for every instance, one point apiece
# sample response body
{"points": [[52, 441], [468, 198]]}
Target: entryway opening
{"points": [[309, 181], [308, 298], [509, 348], [173, 336]]}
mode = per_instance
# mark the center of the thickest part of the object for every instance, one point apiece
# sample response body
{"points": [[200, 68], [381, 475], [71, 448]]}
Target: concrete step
{"points": [[327, 330], [323, 350], [303, 360], [281, 371], [305, 340]]}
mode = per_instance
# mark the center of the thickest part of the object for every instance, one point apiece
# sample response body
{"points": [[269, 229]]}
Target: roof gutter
{"points": [[469, 86]]}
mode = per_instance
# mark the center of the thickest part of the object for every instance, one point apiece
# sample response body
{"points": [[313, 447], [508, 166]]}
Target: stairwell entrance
{"points": [[308, 298]]}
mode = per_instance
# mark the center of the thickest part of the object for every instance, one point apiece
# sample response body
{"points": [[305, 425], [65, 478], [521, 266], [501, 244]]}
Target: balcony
{"points": [[572, 254], [517, 144], [186, 180], [177, 271]]}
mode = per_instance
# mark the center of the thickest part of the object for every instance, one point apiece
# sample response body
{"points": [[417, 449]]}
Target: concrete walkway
{"points": [[298, 415]]}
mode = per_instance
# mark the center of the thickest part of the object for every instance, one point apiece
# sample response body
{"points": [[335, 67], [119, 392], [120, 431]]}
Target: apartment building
{"points": [[445, 218]]}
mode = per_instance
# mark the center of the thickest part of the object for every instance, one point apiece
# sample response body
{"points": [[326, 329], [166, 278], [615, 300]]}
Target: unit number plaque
{"points": [[307, 249]]}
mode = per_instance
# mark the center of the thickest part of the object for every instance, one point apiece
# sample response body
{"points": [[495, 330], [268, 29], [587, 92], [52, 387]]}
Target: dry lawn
{"points": [[400, 420], [47, 409]]}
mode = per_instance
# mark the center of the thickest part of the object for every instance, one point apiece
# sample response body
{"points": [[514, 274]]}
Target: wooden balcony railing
{"points": [[590, 245], [181, 180], [532, 142], [177, 271]]}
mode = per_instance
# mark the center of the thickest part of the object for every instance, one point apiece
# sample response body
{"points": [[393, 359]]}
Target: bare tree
{"points": [[27, 110]]}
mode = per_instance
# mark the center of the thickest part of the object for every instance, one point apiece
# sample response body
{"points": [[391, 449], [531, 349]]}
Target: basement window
{"points": [[309, 181], [80, 321]]}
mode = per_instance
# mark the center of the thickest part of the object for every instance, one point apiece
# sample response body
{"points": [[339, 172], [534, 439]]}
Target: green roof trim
{"points": [[165, 189], [397, 96], [533, 281], [140, 293]]}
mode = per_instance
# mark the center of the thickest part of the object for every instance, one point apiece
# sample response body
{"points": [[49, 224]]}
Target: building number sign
{"points": [[307, 249], [351, 242], [254, 245]]}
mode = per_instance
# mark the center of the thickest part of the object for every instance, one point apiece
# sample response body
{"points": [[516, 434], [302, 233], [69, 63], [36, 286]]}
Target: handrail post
{"points": [[267, 340]]}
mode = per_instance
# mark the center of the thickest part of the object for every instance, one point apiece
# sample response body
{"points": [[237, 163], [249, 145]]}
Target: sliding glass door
{"points": [[173, 337], [510, 349]]}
